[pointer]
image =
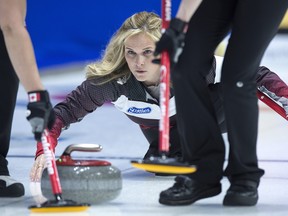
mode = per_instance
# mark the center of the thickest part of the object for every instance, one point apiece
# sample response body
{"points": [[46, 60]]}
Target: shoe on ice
{"points": [[10, 187], [241, 193], [185, 191]]}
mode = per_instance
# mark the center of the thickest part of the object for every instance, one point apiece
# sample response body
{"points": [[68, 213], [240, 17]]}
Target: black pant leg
{"points": [[8, 90], [249, 39], [197, 121], [217, 100]]}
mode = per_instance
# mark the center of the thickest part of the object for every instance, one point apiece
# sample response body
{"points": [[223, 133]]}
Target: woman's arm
{"points": [[85, 99], [187, 8], [272, 82]]}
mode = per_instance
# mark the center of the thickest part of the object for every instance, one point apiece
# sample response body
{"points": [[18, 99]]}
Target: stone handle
{"points": [[82, 147]]}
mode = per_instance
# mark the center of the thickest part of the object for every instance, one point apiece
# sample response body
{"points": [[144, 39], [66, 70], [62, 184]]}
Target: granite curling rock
{"points": [[84, 181]]}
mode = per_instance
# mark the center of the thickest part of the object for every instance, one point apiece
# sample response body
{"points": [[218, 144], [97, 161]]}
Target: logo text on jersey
{"points": [[136, 110]]}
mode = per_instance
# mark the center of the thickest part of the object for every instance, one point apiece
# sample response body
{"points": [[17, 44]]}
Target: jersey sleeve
{"points": [[85, 99], [272, 82]]}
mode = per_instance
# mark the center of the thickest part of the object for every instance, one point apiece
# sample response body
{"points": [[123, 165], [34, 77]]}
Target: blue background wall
{"points": [[66, 31]]}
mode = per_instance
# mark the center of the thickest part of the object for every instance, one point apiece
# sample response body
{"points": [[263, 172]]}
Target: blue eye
{"points": [[130, 52], [148, 52]]}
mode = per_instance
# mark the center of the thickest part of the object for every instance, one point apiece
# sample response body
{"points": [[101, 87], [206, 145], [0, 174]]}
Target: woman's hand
{"points": [[35, 179], [39, 164], [37, 169]]}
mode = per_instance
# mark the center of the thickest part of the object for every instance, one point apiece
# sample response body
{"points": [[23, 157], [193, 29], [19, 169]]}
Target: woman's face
{"points": [[139, 55]]}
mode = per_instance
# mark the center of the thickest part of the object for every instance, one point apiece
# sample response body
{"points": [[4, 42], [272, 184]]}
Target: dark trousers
{"points": [[8, 90], [252, 24]]}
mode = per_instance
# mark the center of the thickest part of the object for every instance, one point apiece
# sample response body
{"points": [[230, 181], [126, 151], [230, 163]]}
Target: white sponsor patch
{"points": [[141, 109]]}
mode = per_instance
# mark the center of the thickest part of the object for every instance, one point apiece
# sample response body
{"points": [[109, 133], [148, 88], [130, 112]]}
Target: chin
{"points": [[141, 79]]}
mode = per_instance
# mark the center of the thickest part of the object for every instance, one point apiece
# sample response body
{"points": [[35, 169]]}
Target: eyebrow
{"points": [[146, 48]]}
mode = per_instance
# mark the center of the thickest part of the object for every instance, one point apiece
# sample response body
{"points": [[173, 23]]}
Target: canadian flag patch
{"points": [[34, 97]]}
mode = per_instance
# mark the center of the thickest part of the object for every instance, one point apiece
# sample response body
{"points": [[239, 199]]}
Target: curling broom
{"points": [[163, 164]]}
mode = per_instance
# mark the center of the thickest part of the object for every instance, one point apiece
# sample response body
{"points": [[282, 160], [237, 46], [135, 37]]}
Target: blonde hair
{"points": [[113, 64]]}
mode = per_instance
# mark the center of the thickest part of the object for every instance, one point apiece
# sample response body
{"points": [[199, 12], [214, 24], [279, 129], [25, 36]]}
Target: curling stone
{"points": [[88, 181]]}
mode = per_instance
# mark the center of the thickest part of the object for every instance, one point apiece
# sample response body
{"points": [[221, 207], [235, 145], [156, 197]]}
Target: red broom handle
{"points": [[166, 8], [272, 104], [164, 84], [51, 164], [164, 103]]}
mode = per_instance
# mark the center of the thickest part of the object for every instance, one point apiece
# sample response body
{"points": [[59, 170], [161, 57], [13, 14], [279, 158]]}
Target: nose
{"points": [[139, 61]]}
